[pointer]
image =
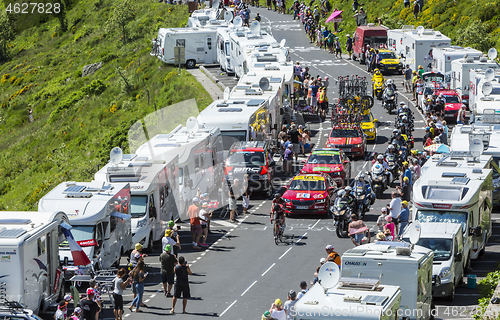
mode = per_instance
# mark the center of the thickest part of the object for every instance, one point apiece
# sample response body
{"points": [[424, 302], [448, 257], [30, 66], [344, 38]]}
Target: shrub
{"points": [[18, 81], [12, 79], [5, 77], [78, 73], [96, 87]]}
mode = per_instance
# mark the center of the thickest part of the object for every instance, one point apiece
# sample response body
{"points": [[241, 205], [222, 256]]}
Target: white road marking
{"points": [[153, 295], [228, 308], [127, 315], [285, 253], [147, 300], [268, 269], [198, 258], [301, 237], [248, 288]]}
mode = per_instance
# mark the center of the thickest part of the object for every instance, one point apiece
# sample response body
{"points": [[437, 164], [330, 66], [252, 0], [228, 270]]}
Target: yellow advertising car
{"points": [[368, 125], [389, 62]]}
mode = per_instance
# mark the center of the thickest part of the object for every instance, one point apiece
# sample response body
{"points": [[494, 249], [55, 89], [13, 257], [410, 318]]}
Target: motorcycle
{"points": [[379, 180], [393, 164], [364, 200], [390, 99], [378, 89], [342, 211]]}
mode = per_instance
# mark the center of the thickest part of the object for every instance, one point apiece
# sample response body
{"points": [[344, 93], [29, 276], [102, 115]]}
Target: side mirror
{"points": [[458, 256], [190, 183], [375, 120], [475, 232]]}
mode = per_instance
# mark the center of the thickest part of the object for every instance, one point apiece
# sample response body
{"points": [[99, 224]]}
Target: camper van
{"points": [[224, 50], [418, 45], [153, 190], [199, 45], [100, 216], [457, 195], [478, 101], [200, 160], [442, 57], [460, 80], [396, 264], [271, 55], [374, 36], [350, 298], [447, 242], [29, 258], [395, 39]]}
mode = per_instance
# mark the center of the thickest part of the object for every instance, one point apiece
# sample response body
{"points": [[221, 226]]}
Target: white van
{"points": [[29, 258], [442, 57], [397, 264], [153, 190], [100, 216], [457, 195], [224, 50], [447, 242], [418, 45], [395, 39]]}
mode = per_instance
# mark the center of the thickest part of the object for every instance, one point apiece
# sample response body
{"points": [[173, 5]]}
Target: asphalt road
{"points": [[241, 274]]}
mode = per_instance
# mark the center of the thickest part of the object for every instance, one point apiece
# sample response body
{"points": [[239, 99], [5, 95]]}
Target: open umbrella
{"points": [[334, 15], [438, 148]]}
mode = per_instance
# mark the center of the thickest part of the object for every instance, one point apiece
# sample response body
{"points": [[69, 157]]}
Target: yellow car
{"points": [[368, 125], [389, 62]]}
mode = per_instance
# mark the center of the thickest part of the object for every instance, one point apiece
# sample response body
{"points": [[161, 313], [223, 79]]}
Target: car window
{"points": [[308, 185], [451, 99], [344, 133], [366, 118], [324, 159], [387, 55], [246, 158]]}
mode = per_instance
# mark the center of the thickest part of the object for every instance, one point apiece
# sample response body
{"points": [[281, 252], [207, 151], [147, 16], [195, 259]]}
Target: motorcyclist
{"points": [[381, 161], [400, 109], [361, 183], [391, 85], [391, 149], [377, 76], [351, 198]]}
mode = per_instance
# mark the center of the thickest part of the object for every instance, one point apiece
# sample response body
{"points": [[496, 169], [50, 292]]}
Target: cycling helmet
{"points": [[341, 193], [277, 207], [380, 157], [277, 196], [391, 146], [348, 189]]}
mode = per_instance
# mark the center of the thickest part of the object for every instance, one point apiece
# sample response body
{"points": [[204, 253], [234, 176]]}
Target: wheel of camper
{"points": [[190, 64]]}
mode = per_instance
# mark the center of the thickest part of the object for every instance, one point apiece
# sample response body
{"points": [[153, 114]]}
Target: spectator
{"points": [[388, 235], [338, 48], [90, 309], [303, 289], [403, 217], [175, 235], [358, 231], [408, 76], [380, 237], [267, 316], [405, 190], [194, 219], [138, 275], [205, 217], [167, 239], [77, 313], [168, 262], [119, 286], [390, 226], [381, 220], [295, 138], [277, 311], [288, 159], [461, 115], [290, 305], [443, 138], [182, 271], [355, 5], [445, 127], [407, 3], [95, 287], [395, 209], [232, 201], [332, 255], [136, 255], [348, 46], [61, 311]]}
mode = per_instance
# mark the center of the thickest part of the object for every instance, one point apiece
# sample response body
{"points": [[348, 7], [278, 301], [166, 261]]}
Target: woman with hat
{"points": [[136, 255]]}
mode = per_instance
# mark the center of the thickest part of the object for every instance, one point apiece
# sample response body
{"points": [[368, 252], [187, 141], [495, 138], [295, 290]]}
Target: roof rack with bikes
{"points": [[353, 100]]}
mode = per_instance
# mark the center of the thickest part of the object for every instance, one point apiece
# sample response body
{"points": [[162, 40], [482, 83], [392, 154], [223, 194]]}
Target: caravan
{"points": [[29, 258], [99, 214], [153, 190], [396, 264], [480, 96], [395, 39], [442, 57], [224, 50], [457, 195]]}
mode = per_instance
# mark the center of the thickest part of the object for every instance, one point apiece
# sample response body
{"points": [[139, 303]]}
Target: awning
{"points": [[121, 215], [335, 14]]}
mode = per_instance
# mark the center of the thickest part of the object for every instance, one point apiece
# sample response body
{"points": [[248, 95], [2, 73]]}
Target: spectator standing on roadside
{"points": [[119, 286], [407, 3], [61, 311], [332, 255], [348, 46], [338, 48], [358, 230], [355, 5], [289, 305], [381, 220], [232, 200], [408, 76], [90, 309], [295, 138], [194, 219], [303, 289], [175, 235], [394, 209], [277, 311], [405, 190], [403, 217], [288, 159], [168, 262], [245, 194], [205, 217], [182, 273], [416, 9], [77, 313], [461, 115]]}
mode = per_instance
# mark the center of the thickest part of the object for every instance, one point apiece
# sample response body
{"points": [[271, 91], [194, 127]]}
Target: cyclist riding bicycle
{"points": [[276, 201], [279, 219]]}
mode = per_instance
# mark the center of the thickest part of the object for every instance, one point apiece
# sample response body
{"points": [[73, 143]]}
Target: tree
{"points": [[475, 35], [123, 13], [63, 22], [6, 34]]}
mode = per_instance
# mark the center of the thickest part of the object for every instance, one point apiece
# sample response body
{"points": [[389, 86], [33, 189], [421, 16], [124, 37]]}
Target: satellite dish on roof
{"points": [[476, 147], [329, 275], [420, 30], [192, 125], [264, 83], [282, 43], [489, 74], [228, 16], [116, 156], [226, 93], [492, 54], [414, 232], [238, 22], [255, 27], [486, 88]]}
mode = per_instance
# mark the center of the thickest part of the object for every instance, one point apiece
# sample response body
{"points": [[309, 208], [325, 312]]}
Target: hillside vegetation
{"points": [[77, 120]]}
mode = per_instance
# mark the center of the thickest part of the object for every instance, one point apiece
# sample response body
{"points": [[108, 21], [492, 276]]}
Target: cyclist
{"points": [[276, 201], [279, 219]]}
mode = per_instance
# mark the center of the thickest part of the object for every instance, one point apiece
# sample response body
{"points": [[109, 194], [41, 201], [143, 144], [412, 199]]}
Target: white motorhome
{"points": [[478, 102], [199, 44], [418, 45], [29, 258], [153, 190], [350, 298], [272, 55], [447, 242], [442, 57], [460, 68], [457, 195], [397, 264], [238, 119], [100, 216], [395, 39], [200, 160], [224, 50]]}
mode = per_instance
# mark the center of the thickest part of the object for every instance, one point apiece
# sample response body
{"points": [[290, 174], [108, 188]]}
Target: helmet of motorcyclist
{"points": [[348, 189], [277, 208], [404, 118], [395, 131], [361, 176], [389, 81], [376, 70], [405, 107], [380, 157], [390, 147], [401, 103], [341, 193]]}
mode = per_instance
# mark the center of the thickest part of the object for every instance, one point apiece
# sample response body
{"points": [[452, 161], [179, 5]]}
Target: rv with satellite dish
{"points": [[153, 190], [401, 264], [270, 55], [442, 57], [335, 297], [458, 195], [395, 39], [200, 160], [418, 45], [460, 80], [29, 258], [100, 217], [484, 92], [224, 50]]}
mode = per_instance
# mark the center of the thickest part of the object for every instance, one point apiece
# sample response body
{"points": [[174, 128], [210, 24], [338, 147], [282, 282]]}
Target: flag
{"points": [[79, 257]]}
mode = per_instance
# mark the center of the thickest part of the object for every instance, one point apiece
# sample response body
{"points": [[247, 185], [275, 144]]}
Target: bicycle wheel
{"points": [[366, 102], [276, 238]]}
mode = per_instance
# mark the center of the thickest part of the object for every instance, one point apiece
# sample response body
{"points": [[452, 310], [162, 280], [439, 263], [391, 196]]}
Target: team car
{"points": [[453, 103], [389, 62], [348, 138], [252, 158], [368, 125], [332, 162], [309, 193]]}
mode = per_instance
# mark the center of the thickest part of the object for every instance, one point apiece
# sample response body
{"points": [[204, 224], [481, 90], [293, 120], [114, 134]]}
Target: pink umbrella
{"points": [[334, 15]]}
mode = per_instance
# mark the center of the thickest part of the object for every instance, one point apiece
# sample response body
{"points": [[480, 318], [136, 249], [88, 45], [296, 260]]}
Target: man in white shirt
{"points": [[395, 209], [277, 311], [167, 239]]}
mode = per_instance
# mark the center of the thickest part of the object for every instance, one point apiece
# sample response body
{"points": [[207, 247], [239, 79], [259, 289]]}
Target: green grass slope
{"points": [[77, 120]]}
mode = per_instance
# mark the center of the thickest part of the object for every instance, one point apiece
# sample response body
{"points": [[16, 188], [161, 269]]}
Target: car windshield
{"points": [[309, 185], [82, 233], [428, 91], [451, 99], [366, 118], [443, 216], [387, 55], [138, 206], [344, 133], [324, 159], [441, 247], [246, 158]]}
